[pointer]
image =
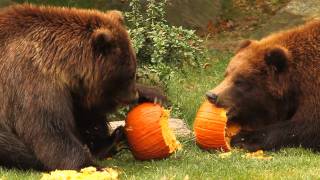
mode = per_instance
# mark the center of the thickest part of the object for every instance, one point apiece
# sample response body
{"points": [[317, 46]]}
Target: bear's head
{"points": [[111, 80], [257, 88], [87, 52]]}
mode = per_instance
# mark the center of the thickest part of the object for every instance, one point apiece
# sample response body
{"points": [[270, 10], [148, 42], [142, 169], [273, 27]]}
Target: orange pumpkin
{"points": [[148, 132], [211, 128]]}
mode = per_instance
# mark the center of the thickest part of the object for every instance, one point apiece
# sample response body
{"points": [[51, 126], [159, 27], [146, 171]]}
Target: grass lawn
{"points": [[186, 92], [197, 164]]}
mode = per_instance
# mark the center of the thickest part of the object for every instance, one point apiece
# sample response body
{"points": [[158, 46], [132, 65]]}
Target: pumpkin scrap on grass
{"points": [[88, 173], [225, 155], [211, 128], [257, 155], [148, 132]]}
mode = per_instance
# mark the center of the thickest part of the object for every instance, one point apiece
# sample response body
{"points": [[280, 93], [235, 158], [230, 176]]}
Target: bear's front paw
{"points": [[249, 140], [151, 94], [113, 144], [119, 139]]}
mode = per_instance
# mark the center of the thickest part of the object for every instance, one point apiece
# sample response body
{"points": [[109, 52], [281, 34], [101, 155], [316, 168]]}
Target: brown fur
{"points": [[272, 85], [61, 71]]}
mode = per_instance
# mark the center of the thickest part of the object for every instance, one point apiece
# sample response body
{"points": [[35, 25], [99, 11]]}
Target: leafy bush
{"points": [[161, 49]]}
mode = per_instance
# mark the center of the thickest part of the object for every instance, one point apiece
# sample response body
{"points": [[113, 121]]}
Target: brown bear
{"points": [[272, 87], [61, 71]]}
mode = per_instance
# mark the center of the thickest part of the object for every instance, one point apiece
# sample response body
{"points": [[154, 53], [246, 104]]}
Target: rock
{"points": [[178, 126], [296, 12], [187, 13], [193, 14], [114, 124], [305, 8]]}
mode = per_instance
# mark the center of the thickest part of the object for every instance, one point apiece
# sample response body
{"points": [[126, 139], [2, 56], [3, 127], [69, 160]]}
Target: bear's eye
{"points": [[239, 82], [242, 83]]}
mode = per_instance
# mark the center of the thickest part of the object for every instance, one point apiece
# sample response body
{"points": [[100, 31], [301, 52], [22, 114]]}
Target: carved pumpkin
{"points": [[148, 132], [211, 128]]}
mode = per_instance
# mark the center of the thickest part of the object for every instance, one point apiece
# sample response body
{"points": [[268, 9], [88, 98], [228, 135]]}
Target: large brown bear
{"points": [[272, 86], [61, 71]]}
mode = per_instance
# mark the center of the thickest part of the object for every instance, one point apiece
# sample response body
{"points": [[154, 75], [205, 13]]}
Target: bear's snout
{"points": [[212, 97]]}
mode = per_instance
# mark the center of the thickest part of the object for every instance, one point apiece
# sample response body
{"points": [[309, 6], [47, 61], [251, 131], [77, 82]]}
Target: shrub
{"points": [[161, 49]]}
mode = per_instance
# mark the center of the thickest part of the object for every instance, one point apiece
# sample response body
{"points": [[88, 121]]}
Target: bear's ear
{"points": [[277, 58], [102, 39], [116, 16], [243, 45]]}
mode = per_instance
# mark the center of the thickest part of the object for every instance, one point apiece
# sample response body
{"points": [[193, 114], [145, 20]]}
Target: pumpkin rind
{"points": [[148, 132], [210, 127]]}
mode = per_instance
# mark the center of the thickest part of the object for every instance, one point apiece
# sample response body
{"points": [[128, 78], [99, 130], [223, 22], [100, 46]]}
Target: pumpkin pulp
{"points": [[167, 134]]}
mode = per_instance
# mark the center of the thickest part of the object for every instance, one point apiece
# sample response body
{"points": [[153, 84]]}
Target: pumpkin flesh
{"points": [[167, 133]]}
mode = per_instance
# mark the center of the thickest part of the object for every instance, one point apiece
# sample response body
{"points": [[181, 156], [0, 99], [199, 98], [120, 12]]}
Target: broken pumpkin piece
{"points": [[148, 132], [211, 128], [84, 174], [225, 155], [232, 129], [256, 155]]}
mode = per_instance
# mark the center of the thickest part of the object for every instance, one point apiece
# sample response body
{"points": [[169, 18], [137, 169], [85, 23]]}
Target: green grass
{"points": [[187, 88], [197, 164]]}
